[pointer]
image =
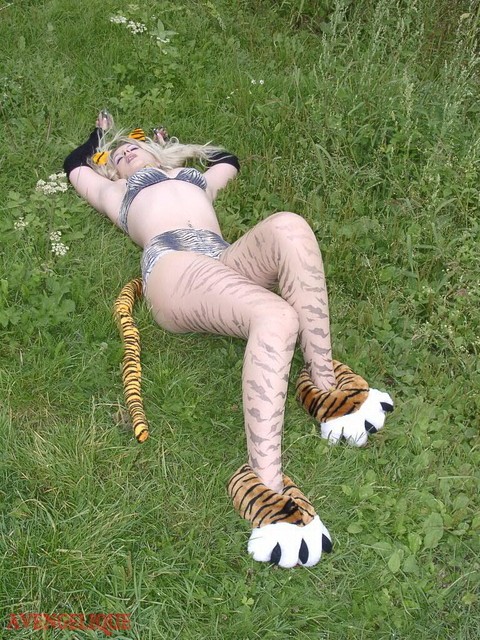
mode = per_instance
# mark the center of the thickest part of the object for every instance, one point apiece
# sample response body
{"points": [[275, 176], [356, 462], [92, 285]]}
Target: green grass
{"points": [[367, 125]]}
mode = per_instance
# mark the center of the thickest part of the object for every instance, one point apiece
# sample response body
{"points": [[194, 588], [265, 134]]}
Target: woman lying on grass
{"points": [[194, 281]]}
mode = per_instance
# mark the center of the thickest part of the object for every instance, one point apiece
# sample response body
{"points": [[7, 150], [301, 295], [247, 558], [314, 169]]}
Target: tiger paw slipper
{"points": [[287, 531], [351, 411]]}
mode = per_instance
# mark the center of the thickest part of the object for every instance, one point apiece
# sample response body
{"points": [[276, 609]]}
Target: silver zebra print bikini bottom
{"points": [[201, 241]]}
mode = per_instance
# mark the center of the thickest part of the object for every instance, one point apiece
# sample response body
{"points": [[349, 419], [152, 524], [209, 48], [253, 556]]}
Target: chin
{"points": [[133, 168]]}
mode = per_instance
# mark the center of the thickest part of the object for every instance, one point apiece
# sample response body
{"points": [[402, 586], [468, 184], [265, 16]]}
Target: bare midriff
{"points": [[167, 206]]}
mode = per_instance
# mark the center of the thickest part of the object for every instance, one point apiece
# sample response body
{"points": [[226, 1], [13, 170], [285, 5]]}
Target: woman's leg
{"points": [[189, 292], [283, 251]]}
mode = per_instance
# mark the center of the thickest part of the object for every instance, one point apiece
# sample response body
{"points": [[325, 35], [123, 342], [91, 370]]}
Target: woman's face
{"points": [[129, 158]]}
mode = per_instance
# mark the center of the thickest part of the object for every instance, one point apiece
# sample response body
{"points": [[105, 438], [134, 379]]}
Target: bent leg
{"points": [[190, 292], [283, 250]]}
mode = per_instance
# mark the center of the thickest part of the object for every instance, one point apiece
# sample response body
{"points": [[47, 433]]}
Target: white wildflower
{"points": [[21, 223], [118, 19], [55, 236], [253, 81], [59, 249], [56, 183], [261, 82], [136, 27]]}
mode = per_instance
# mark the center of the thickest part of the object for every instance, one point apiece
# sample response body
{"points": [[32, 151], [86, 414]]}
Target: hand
{"points": [[288, 545], [104, 120], [160, 135], [355, 427]]}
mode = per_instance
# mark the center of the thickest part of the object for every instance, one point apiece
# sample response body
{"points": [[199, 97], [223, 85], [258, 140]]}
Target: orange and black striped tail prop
{"points": [[131, 367]]}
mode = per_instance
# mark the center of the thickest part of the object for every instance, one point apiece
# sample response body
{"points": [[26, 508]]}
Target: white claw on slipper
{"points": [[289, 544], [356, 427]]}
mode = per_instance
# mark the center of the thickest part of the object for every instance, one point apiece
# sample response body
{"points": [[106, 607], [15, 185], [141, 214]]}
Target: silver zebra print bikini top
{"points": [[150, 176]]}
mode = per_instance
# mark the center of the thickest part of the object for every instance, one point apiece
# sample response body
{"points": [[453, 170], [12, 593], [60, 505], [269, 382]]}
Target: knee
{"points": [[279, 319], [288, 222]]}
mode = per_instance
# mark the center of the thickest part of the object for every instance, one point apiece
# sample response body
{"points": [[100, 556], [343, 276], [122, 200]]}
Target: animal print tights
{"points": [[233, 296]]}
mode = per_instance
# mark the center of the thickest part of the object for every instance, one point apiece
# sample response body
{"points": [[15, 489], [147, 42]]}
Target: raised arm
{"points": [[222, 167], [95, 189]]}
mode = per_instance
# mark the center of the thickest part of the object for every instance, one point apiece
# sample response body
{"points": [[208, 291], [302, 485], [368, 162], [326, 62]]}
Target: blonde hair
{"points": [[169, 155]]}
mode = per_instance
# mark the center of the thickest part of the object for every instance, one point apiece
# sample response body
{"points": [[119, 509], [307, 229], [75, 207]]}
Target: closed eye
{"points": [[120, 156]]}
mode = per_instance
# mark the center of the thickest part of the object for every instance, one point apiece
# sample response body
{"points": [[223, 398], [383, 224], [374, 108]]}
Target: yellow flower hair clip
{"points": [[101, 157]]}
